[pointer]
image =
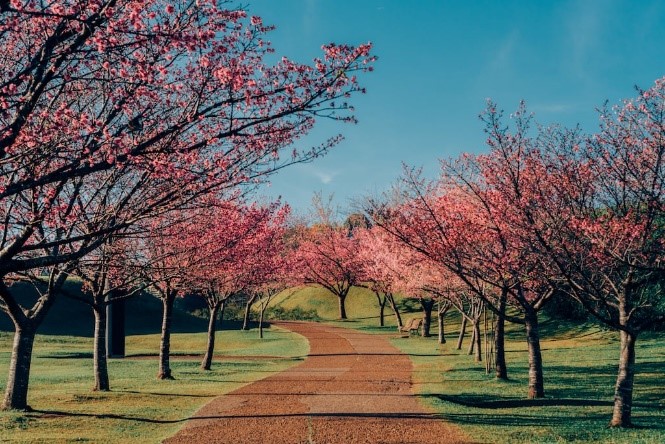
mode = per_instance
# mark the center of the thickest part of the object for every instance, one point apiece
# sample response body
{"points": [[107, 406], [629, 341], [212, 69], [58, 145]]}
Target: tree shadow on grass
{"points": [[594, 381], [649, 415], [183, 395], [458, 418], [512, 420], [485, 402], [67, 355]]}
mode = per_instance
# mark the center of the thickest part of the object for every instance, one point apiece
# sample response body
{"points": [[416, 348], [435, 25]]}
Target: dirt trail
{"points": [[352, 388]]}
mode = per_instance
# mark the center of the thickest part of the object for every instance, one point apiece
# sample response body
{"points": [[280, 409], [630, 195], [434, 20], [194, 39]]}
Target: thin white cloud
{"points": [[309, 17], [585, 26], [324, 176], [504, 53], [552, 108]]}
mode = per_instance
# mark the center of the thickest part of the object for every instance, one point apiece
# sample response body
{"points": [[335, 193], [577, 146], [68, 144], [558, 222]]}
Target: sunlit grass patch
{"points": [[580, 371], [140, 408]]}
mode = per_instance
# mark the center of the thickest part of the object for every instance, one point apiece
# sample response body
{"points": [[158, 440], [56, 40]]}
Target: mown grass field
{"points": [[361, 305], [580, 371], [140, 408], [580, 364]]}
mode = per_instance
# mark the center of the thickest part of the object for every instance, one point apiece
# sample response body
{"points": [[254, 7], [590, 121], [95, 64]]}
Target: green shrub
{"points": [[293, 314]]}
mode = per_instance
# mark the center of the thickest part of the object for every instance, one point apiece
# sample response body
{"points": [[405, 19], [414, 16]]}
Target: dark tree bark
{"points": [[165, 343], [382, 307], [623, 391], [536, 386], [442, 336], [477, 339], [393, 305], [428, 305], [16, 392], [443, 309], [261, 316], [100, 362], [248, 311], [500, 339], [462, 332], [25, 328], [265, 301], [341, 297], [206, 363]]}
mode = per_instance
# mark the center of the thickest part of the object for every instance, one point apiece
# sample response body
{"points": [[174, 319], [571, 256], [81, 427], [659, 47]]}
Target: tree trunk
{"points": [[221, 316], [16, 389], [382, 310], [393, 305], [478, 357], [100, 361], [472, 344], [623, 391], [16, 392], [462, 332], [342, 309], [263, 310], [210, 349], [536, 387], [428, 305], [442, 336], [500, 340], [165, 344], [248, 312]]}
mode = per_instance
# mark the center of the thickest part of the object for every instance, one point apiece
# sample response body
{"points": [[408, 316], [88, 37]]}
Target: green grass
{"points": [[362, 308], [580, 370], [140, 408], [580, 364]]}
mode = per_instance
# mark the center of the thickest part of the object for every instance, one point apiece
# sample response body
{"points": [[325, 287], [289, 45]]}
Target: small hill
{"points": [[361, 304]]}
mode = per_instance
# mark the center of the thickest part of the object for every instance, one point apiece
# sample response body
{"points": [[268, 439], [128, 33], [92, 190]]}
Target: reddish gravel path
{"points": [[352, 388]]}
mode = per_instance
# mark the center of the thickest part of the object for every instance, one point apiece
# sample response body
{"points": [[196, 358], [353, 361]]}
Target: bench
{"points": [[412, 325]]}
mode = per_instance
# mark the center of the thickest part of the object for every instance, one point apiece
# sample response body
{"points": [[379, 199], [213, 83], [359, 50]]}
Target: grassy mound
{"points": [[361, 304]]}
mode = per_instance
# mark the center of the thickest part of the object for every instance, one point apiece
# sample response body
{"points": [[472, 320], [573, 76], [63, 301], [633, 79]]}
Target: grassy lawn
{"points": [[580, 370], [580, 363], [361, 306], [140, 408]]}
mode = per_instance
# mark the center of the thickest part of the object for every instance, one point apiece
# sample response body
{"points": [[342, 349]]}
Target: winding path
{"points": [[351, 388]]}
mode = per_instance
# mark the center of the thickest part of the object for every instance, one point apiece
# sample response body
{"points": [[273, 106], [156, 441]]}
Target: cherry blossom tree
{"points": [[325, 252], [459, 221], [110, 274], [600, 222], [168, 255], [382, 264], [449, 291], [327, 255], [243, 256], [156, 90], [420, 280]]}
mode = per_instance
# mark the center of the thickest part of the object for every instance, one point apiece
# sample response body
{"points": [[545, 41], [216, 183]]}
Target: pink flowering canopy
{"points": [[145, 98]]}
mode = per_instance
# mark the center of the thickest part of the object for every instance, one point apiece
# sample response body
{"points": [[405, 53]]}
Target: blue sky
{"points": [[438, 63]]}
